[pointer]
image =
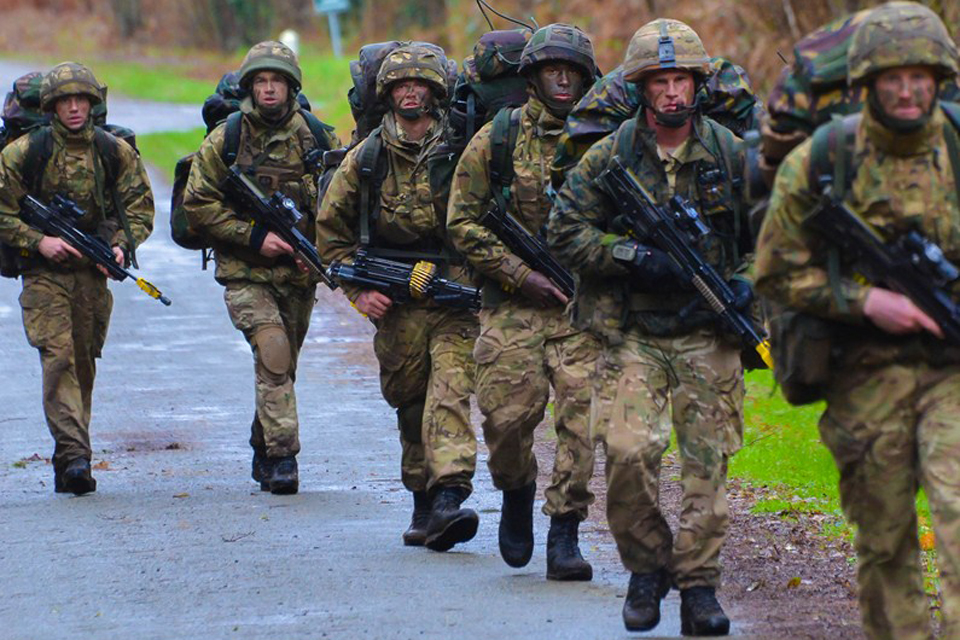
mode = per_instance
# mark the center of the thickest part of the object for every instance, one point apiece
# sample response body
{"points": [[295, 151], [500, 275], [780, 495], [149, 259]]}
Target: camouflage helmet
{"points": [[899, 34], [416, 62], [559, 42], [67, 79], [271, 55], [665, 44]]}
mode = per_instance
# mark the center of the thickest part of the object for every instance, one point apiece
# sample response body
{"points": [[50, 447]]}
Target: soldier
{"points": [[665, 359], [66, 303], [268, 297], [892, 420], [526, 343], [424, 350]]}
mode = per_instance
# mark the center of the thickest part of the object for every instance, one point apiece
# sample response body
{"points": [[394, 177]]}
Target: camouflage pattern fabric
{"points": [[891, 421], [645, 385], [21, 108], [274, 319], [521, 353], [271, 55], [645, 53], [283, 147], [65, 316], [413, 62], [524, 350], [69, 78], [559, 42], [725, 97], [426, 367]]}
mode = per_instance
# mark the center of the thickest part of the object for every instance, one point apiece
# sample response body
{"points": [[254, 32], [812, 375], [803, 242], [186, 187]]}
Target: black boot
{"points": [[261, 469], [449, 524], [284, 476], [416, 534], [564, 561], [641, 607], [701, 614], [516, 525], [77, 478]]}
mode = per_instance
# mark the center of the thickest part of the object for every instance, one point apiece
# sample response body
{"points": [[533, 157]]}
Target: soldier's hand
{"points": [[373, 304], [538, 288], [273, 246], [118, 256], [896, 313], [56, 250]]}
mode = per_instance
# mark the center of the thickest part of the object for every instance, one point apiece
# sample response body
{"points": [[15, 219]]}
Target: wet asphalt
{"points": [[178, 542]]}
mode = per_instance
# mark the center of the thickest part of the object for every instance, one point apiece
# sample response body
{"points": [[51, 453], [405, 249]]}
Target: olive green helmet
{"points": [[413, 61], [900, 34], [559, 42], [68, 79], [271, 55], [665, 44]]}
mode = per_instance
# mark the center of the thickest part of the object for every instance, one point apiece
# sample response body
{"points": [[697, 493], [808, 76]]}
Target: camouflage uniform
{"points": [[66, 306], [269, 299], [426, 370], [524, 349], [658, 368], [893, 402]]}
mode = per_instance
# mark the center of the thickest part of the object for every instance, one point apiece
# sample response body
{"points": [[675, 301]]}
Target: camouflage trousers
{"points": [[522, 351], [427, 375], [892, 430], [274, 320], [65, 316], [646, 384]]}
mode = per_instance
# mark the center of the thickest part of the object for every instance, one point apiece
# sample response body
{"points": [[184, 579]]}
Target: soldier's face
{"points": [[73, 111], [410, 94], [669, 90], [561, 81], [270, 90], [906, 93]]}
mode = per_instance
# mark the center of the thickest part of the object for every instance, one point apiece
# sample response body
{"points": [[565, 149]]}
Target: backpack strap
{"points": [[108, 149], [39, 152], [952, 111], [231, 139], [373, 168], [503, 141], [318, 129]]}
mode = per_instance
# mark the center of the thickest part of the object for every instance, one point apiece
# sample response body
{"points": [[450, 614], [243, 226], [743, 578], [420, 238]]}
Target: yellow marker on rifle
{"points": [[152, 291]]}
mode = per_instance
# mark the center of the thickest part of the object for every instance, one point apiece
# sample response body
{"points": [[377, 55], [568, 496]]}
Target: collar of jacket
{"points": [[693, 150], [82, 137], [393, 136], [921, 141], [545, 123], [261, 123]]}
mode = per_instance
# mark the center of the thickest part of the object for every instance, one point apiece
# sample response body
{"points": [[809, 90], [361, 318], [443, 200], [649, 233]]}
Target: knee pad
{"points": [[410, 421], [273, 350]]}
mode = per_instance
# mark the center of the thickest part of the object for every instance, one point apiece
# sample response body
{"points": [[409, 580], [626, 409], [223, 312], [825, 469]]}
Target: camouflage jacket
{"points": [[583, 226], [902, 183], [471, 197], [75, 170], [407, 216], [278, 151]]}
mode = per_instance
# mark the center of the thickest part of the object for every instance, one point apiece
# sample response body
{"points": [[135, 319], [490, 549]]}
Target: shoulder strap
{"points": [[950, 131], [231, 139], [108, 148], [39, 152], [503, 140], [318, 129], [372, 168], [832, 153]]}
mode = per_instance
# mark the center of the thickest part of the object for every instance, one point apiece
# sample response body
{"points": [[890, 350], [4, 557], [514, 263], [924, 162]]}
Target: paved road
{"points": [[178, 543]]}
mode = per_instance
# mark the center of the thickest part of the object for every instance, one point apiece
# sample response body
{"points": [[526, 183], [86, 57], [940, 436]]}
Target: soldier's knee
{"points": [[410, 421], [273, 353]]}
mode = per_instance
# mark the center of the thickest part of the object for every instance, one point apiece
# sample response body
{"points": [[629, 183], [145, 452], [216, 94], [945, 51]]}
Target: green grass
{"points": [[158, 82], [162, 150]]}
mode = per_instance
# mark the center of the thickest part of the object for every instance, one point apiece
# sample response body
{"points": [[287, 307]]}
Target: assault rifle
{"points": [[278, 214], [403, 282], [911, 265], [58, 219], [674, 232], [527, 247]]}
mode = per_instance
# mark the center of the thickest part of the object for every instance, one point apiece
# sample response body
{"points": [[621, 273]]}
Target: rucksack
{"points": [[726, 97], [21, 108], [224, 106]]}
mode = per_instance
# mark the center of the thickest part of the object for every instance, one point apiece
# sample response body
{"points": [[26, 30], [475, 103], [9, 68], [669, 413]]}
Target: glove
{"points": [[654, 271], [742, 294]]}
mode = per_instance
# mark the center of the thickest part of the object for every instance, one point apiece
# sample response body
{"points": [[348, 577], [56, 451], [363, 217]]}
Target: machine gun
{"points": [[59, 219], [403, 282], [674, 232], [911, 264], [278, 214], [527, 247]]}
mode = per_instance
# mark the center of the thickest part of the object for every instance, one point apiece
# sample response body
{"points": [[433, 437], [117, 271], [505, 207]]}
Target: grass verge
{"points": [[162, 150]]}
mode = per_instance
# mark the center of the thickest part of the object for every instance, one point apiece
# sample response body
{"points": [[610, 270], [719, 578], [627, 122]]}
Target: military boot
{"points": [[564, 561], [449, 524], [416, 534], [284, 476], [516, 525], [261, 470], [641, 607], [77, 478], [701, 614]]}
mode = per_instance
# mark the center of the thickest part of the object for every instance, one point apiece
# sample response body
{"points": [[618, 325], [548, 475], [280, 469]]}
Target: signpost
{"points": [[333, 8]]}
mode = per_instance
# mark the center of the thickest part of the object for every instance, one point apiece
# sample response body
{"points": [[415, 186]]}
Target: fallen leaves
{"points": [[181, 495], [103, 465], [928, 541]]}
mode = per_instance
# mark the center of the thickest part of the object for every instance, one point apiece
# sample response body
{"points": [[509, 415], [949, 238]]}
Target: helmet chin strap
{"points": [[674, 119]]}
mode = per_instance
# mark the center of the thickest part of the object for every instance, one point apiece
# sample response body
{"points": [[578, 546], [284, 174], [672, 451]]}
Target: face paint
{"points": [[669, 93], [902, 98], [411, 98]]}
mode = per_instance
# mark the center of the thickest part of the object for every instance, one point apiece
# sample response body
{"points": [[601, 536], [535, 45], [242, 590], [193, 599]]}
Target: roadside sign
{"points": [[331, 6]]}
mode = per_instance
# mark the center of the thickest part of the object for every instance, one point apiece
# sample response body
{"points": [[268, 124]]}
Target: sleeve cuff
{"points": [[258, 233]]}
